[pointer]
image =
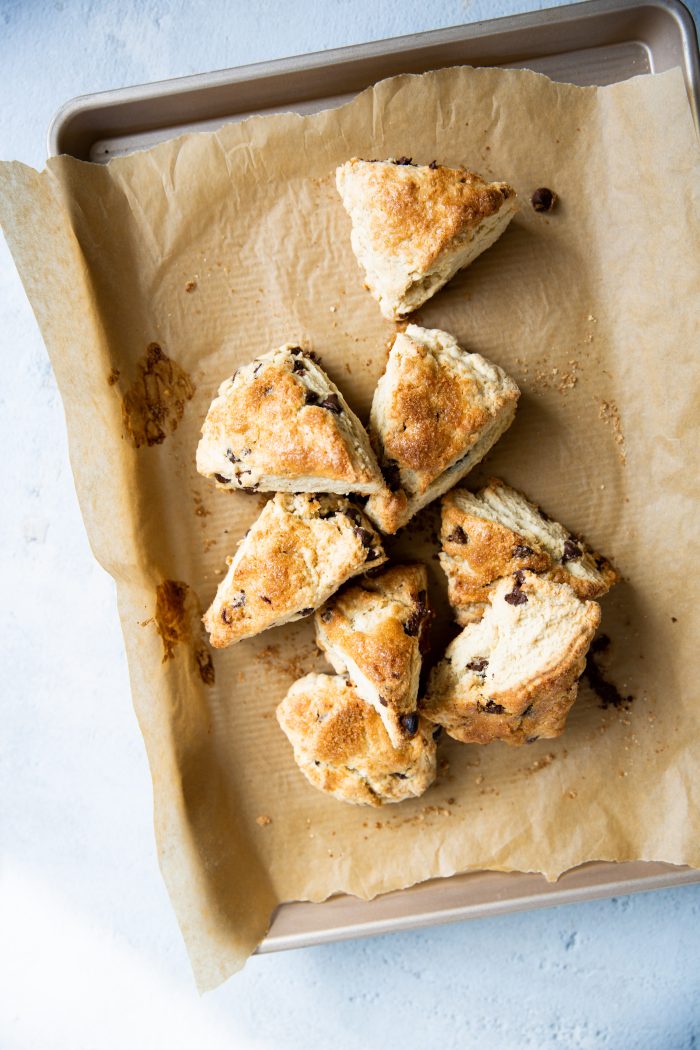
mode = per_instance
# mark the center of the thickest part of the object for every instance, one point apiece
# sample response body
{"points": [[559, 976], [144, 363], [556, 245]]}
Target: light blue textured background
{"points": [[90, 955]]}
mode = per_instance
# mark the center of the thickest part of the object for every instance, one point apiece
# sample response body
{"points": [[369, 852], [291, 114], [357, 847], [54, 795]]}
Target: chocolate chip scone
{"points": [[494, 532], [296, 555], [342, 747], [372, 631], [436, 412], [513, 676], [280, 425], [414, 226]]}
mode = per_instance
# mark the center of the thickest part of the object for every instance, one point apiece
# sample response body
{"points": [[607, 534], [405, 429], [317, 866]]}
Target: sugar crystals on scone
{"points": [[494, 532], [374, 632], [343, 749], [280, 425], [513, 676], [436, 412], [414, 226], [300, 550]]}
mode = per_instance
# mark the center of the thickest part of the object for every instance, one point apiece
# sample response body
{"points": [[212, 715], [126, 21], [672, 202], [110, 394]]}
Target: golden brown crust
{"points": [[374, 631], [280, 419], [342, 747], [431, 411], [512, 688], [298, 552], [491, 551], [422, 210], [478, 551]]}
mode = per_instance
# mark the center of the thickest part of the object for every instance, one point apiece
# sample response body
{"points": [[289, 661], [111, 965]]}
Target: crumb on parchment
{"points": [[263, 820]]}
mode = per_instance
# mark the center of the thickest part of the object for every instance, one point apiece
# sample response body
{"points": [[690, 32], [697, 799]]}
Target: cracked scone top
{"points": [[373, 631], [280, 425], [414, 226], [299, 551], [513, 676], [343, 749], [494, 532], [437, 410]]}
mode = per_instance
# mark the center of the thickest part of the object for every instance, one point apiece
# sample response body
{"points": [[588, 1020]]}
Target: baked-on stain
{"points": [[113, 376], [607, 692], [155, 402], [178, 621]]}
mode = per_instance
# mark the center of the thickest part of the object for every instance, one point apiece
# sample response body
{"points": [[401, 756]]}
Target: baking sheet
{"points": [[215, 247]]}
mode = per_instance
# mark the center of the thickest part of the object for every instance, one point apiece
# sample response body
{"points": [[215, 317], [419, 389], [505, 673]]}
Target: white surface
{"points": [[90, 954]]}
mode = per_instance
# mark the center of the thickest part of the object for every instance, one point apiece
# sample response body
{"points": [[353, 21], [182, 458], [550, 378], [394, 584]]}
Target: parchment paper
{"points": [[216, 247]]}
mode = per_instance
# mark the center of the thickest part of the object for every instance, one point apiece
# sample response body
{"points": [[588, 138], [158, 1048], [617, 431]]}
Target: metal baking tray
{"points": [[599, 42]]}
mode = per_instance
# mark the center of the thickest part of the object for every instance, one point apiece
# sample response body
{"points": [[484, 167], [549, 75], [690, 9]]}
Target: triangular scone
{"points": [[494, 532], [280, 425], [298, 552], [372, 631], [514, 675], [436, 412], [342, 748], [414, 226]]}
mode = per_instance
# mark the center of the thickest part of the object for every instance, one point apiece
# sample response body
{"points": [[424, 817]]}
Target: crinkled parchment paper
{"points": [[154, 277]]}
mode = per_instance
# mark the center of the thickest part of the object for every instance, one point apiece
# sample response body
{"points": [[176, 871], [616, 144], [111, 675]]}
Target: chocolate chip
{"points": [[354, 515], [225, 615], [433, 165], [268, 390], [543, 199], [600, 562], [298, 366], [230, 455], [295, 351], [373, 555], [522, 551], [400, 776], [458, 535], [364, 536], [392, 476], [409, 723], [264, 598], [516, 596], [239, 601], [305, 612], [571, 552], [527, 711], [437, 732], [404, 161], [477, 665], [222, 480], [531, 739], [312, 397], [413, 623], [327, 615], [332, 403], [492, 708], [248, 488]]}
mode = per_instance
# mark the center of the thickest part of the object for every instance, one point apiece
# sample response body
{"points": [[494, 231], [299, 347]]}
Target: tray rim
{"points": [[567, 14], [590, 881]]}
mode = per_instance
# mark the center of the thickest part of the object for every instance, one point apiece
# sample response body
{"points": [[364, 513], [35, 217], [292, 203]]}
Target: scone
{"points": [[414, 226], [495, 532], [436, 412], [342, 748], [514, 675], [372, 631], [298, 552], [280, 425]]}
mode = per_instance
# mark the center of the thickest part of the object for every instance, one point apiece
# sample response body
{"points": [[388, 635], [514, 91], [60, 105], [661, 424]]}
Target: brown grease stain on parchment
{"points": [[178, 620], [155, 402]]}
